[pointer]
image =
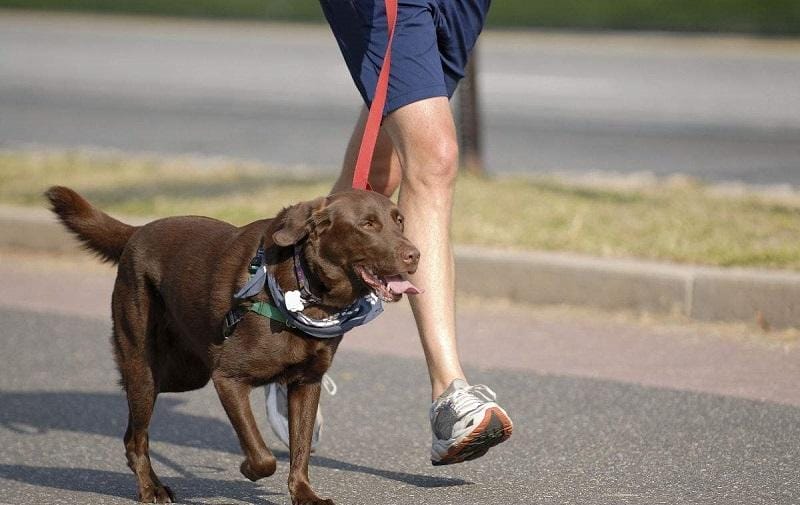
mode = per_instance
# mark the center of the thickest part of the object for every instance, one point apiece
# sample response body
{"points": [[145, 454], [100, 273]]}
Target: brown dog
{"points": [[175, 283]]}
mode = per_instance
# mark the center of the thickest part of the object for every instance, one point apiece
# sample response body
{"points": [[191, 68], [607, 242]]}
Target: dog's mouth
{"points": [[389, 288]]}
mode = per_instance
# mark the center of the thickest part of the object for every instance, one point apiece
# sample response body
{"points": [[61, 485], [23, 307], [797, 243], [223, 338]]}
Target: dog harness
{"points": [[289, 305]]}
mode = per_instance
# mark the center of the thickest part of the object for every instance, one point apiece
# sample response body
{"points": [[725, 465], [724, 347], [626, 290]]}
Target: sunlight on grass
{"points": [[146, 186], [683, 223], [675, 222]]}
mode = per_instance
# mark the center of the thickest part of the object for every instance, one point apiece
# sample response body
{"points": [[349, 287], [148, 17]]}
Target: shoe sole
{"points": [[494, 428]]}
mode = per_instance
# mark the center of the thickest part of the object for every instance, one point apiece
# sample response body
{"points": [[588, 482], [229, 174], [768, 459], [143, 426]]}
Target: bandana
{"points": [[362, 311]]}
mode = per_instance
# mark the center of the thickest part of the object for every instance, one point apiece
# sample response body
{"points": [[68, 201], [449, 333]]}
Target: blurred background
{"points": [[709, 90]]}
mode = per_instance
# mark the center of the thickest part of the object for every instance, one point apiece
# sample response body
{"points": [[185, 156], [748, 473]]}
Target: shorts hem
{"points": [[414, 96]]}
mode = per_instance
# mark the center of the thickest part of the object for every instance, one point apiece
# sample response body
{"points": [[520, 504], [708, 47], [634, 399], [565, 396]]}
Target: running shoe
{"points": [[465, 423], [278, 411]]}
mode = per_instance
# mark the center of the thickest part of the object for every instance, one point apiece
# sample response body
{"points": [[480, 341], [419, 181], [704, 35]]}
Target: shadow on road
{"points": [[30, 413], [191, 489]]}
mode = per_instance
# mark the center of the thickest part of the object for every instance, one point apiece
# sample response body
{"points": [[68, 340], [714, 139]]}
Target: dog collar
{"points": [[304, 293], [288, 306]]}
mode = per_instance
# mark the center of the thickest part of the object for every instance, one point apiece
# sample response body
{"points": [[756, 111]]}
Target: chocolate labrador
{"points": [[175, 286]]}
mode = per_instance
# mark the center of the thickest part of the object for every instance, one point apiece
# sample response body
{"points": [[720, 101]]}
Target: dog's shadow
{"points": [[30, 413], [191, 489]]}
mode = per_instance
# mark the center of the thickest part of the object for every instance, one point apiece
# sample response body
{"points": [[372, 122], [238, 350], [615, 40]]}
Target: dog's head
{"points": [[354, 244]]}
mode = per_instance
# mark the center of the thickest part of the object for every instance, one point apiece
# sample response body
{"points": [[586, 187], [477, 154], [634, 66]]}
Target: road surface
{"points": [[716, 108], [606, 410]]}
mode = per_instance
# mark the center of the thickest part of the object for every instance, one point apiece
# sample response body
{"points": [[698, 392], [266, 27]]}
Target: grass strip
{"points": [[680, 221], [748, 16]]}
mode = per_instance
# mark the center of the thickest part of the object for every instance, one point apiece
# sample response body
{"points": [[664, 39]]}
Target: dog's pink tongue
{"points": [[398, 285]]}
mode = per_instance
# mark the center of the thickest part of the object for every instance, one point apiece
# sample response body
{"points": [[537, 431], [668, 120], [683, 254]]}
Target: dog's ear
{"points": [[298, 220]]}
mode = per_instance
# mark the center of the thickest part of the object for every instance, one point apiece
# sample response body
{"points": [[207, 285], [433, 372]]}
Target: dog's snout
{"points": [[410, 256]]}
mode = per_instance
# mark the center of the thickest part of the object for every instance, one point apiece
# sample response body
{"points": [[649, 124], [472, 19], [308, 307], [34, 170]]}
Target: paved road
{"points": [[606, 411], [719, 109]]}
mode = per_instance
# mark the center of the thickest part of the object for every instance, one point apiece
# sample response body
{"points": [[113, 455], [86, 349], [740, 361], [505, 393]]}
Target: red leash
{"points": [[373, 126]]}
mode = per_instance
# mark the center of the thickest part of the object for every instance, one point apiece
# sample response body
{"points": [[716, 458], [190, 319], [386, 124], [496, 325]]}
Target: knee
{"points": [[435, 168]]}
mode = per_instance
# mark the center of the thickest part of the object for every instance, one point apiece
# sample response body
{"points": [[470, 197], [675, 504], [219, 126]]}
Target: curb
{"points": [[700, 293]]}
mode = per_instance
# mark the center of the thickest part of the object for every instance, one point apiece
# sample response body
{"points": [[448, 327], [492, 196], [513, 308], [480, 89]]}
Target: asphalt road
{"points": [[716, 108], [593, 424]]}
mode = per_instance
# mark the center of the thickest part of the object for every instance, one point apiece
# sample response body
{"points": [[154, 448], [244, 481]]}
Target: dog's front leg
{"points": [[235, 397], [303, 403]]}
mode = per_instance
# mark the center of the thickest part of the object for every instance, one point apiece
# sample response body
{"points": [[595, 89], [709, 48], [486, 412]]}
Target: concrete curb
{"points": [[701, 293]]}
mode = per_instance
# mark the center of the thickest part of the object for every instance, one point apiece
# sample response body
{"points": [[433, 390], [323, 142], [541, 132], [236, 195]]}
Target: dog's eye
{"points": [[371, 222]]}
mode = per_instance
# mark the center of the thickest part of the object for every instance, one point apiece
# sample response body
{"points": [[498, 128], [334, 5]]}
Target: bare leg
{"points": [[421, 139], [385, 175]]}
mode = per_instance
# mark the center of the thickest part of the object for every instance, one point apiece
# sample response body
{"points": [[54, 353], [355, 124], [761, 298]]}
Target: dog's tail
{"points": [[99, 232]]}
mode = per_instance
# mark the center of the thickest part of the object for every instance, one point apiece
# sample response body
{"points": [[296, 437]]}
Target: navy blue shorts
{"points": [[432, 41]]}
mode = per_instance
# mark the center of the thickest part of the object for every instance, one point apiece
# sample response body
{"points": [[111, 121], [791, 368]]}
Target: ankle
{"points": [[438, 386]]}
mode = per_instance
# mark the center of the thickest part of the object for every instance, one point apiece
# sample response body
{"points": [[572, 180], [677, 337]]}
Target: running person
{"points": [[417, 151]]}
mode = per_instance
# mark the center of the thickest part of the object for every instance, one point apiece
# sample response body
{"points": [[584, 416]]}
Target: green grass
{"points": [[681, 222], [752, 16]]}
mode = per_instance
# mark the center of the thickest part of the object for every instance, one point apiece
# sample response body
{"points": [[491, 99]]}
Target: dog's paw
{"points": [[258, 470], [312, 501], [156, 494], [304, 495]]}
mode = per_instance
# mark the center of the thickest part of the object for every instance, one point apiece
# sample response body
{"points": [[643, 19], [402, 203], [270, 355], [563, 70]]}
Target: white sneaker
{"points": [[465, 423], [278, 411]]}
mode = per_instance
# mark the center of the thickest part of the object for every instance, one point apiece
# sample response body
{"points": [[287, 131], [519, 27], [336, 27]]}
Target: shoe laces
{"points": [[328, 384], [471, 397]]}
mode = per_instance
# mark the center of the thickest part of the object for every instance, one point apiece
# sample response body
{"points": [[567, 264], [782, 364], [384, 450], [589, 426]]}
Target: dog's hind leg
{"points": [[235, 397], [149, 491], [132, 341], [137, 449]]}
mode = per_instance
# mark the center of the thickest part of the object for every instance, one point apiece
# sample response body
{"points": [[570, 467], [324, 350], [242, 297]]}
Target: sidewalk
{"points": [[768, 298], [561, 341]]}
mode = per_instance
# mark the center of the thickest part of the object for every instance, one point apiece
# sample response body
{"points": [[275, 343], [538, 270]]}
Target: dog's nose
{"points": [[410, 256]]}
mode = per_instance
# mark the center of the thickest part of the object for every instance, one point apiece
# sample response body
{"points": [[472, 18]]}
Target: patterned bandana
{"points": [[362, 311]]}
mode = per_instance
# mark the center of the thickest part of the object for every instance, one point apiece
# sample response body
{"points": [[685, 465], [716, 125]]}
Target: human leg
{"points": [[417, 150], [424, 137], [385, 173], [465, 420], [424, 134]]}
